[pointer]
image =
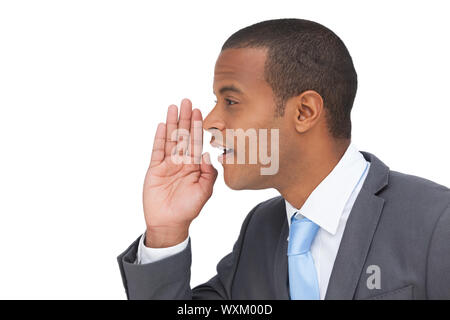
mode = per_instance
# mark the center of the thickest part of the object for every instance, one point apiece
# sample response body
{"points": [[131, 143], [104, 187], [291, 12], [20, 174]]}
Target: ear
{"points": [[308, 107]]}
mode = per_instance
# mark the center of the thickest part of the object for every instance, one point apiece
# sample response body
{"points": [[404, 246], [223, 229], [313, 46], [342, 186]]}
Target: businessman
{"points": [[344, 226]]}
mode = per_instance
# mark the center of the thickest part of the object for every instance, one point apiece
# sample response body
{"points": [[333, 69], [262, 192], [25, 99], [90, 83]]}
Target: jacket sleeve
{"points": [[169, 278], [438, 263]]}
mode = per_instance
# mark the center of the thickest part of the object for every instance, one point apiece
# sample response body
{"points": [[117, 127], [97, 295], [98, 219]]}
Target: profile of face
{"points": [[257, 71], [245, 101]]}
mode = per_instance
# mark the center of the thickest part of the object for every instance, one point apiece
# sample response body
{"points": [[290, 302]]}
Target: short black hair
{"points": [[304, 55]]}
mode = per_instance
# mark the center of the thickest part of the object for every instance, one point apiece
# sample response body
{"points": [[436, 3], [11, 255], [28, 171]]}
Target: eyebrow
{"points": [[231, 88]]}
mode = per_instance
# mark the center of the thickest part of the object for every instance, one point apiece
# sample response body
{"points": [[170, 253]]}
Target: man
{"points": [[344, 225]]}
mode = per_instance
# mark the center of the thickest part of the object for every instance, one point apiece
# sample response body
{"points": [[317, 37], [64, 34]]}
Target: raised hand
{"points": [[178, 183]]}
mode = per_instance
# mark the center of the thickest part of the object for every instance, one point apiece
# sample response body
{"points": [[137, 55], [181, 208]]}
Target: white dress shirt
{"points": [[328, 206]]}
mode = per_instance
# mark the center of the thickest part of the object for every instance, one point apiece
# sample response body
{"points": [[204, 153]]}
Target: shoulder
{"points": [[270, 213], [265, 208], [416, 182], [416, 190], [414, 201]]}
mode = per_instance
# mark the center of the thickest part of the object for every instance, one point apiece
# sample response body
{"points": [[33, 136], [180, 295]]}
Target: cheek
{"points": [[284, 142], [238, 175]]}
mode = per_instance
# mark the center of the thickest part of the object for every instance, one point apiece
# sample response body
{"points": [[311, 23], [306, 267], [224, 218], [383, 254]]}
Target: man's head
{"points": [[287, 74]]}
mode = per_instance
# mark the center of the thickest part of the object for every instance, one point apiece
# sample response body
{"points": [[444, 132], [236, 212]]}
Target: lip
{"points": [[221, 146], [222, 157], [227, 152]]}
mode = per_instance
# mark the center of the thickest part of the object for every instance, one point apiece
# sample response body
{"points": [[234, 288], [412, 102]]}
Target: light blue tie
{"points": [[303, 283]]}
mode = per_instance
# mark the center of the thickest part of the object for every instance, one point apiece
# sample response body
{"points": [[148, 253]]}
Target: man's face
{"points": [[244, 101]]}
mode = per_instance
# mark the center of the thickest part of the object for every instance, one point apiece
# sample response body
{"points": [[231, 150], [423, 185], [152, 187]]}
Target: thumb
{"points": [[208, 172]]}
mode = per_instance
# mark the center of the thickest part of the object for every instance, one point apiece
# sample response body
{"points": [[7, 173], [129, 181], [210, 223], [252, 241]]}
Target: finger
{"points": [[158, 145], [196, 137], [171, 126], [208, 173], [206, 165], [184, 124]]}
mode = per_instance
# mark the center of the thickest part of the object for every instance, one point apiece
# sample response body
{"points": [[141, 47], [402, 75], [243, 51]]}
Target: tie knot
{"points": [[301, 235]]}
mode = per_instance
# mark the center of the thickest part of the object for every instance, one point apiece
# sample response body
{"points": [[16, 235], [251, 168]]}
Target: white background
{"points": [[83, 85]]}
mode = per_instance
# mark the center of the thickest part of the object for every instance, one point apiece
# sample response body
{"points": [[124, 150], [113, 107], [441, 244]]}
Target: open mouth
{"points": [[226, 152], [226, 156], [223, 148]]}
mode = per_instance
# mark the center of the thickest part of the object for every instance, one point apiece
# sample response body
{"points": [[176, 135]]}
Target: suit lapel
{"points": [[281, 260], [354, 246], [358, 234]]}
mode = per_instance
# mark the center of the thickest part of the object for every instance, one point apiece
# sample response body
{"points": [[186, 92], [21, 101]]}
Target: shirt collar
{"points": [[326, 203]]}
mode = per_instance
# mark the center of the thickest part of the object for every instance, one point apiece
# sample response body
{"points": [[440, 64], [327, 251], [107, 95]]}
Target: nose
{"points": [[214, 121]]}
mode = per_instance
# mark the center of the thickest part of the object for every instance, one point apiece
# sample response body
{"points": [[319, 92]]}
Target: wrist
{"points": [[164, 237]]}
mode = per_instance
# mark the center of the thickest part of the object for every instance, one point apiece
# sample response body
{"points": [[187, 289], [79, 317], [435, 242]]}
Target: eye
{"points": [[230, 102]]}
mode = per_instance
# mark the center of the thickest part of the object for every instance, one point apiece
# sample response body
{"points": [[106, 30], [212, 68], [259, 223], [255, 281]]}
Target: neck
{"points": [[302, 177]]}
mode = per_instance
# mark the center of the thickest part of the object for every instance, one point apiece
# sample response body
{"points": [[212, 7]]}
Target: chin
{"points": [[234, 182], [240, 179], [235, 185]]}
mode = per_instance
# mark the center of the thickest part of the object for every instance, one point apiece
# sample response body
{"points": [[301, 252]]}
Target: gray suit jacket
{"points": [[397, 231]]}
